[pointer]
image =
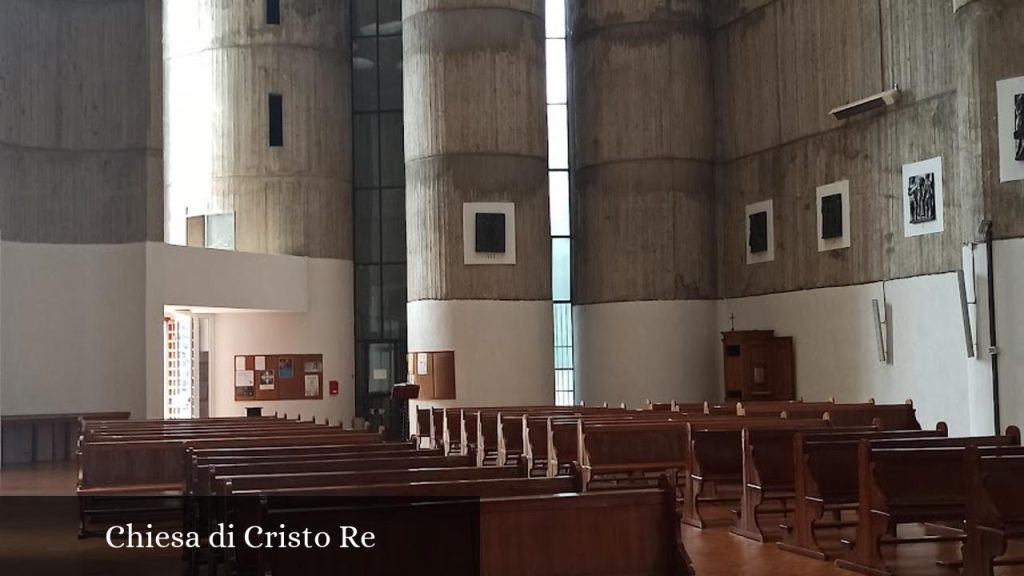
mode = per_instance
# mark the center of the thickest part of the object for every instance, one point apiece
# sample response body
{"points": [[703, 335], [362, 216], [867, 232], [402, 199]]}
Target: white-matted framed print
{"points": [[489, 233], [1010, 104], [922, 197]]}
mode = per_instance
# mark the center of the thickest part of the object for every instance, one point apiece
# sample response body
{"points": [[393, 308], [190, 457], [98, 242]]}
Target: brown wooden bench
{"points": [[563, 434], [768, 474], [569, 535], [715, 458], [634, 449], [239, 503], [904, 481], [825, 480], [45, 437], [995, 508], [205, 487], [155, 468], [888, 416], [199, 462]]}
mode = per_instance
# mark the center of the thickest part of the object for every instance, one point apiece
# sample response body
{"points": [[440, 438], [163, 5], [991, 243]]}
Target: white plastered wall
{"points": [[503, 349], [632, 352]]}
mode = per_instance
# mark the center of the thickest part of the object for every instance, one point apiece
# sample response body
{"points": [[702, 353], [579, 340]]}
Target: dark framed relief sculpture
{"points": [[760, 232], [833, 210]]}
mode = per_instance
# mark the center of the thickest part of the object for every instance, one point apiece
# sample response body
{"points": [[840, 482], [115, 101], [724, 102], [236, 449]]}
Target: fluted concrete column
{"points": [[642, 200], [989, 48], [475, 131], [222, 61]]}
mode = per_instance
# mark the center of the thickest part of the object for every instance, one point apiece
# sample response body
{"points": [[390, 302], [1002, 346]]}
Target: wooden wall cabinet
{"points": [[758, 366], [434, 373]]}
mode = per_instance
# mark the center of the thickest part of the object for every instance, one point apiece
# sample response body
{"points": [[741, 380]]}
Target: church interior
{"points": [[511, 287]]}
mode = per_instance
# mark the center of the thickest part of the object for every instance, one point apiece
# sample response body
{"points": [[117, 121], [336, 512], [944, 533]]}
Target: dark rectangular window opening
{"points": [[273, 11], [276, 120]]}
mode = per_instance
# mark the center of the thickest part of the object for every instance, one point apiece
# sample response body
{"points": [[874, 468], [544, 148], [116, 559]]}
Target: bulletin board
{"points": [[261, 377]]}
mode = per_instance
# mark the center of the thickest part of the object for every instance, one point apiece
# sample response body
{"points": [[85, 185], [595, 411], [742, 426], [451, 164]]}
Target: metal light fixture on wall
{"points": [[873, 102]]}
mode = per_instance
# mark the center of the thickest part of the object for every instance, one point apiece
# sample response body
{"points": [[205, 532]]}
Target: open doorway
{"points": [[186, 365], [179, 367]]}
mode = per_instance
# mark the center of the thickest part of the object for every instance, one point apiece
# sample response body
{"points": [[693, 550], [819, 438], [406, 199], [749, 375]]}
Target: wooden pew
{"points": [[768, 474], [460, 425], [239, 503], [206, 472], [140, 466], [770, 468], [995, 508], [46, 437], [155, 468], [260, 451], [715, 457], [794, 410], [211, 480], [423, 427], [825, 480], [904, 481], [558, 526], [564, 434], [267, 481], [637, 449], [198, 463], [888, 416]]}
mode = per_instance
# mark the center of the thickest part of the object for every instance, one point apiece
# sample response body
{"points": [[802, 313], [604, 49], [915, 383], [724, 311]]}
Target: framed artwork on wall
{"points": [[760, 228], [489, 233], [833, 210], [922, 198], [1010, 104]]}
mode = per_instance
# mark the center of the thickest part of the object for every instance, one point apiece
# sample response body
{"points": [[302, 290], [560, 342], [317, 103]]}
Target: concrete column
{"points": [[80, 158], [475, 132], [644, 275], [989, 48], [222, 61], [81, 191]]}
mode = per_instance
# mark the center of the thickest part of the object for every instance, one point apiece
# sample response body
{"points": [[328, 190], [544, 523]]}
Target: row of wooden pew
{"points": [[267, 472], [818, 466], [821, 466]]}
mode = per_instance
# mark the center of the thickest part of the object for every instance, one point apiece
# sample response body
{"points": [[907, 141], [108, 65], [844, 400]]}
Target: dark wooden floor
{"points": [[43, 537]]}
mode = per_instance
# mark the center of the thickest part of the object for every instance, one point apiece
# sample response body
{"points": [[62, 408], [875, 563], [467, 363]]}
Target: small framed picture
{"points": [[922, 198]]}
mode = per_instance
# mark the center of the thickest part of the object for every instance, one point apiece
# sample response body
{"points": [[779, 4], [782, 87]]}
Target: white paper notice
{"points": [[380, 374], [312, 385], [239, 362], [261, 363], [421, 363], [244, 378]]}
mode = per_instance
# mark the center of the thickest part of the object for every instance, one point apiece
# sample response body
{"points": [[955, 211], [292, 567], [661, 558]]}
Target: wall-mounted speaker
{"points": [[965, 313], [877, 313]]}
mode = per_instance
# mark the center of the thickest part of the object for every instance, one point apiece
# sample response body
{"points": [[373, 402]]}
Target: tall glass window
{"points": [[378, 204], [558, 166]]}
